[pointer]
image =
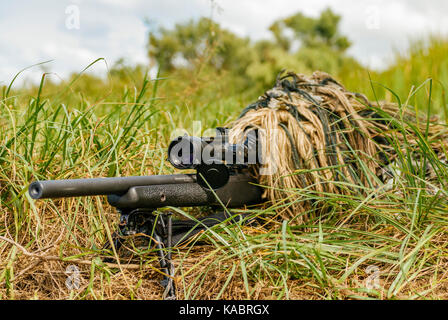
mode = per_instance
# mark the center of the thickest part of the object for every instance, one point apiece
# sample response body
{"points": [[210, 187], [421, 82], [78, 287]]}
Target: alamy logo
{"points": [[73, 279], [373, 280], [73, 17]]}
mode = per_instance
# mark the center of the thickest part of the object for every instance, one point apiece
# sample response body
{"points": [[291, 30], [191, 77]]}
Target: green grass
{"points": [[59, 132]]}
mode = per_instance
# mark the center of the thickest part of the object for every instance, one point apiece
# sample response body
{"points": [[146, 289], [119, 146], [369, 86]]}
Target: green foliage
{"points": [[425, 59], [197, 43], [88, 126], [397, 228], [311, 32], [203, 46]]}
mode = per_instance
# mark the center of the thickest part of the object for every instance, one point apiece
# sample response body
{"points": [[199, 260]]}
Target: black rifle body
{"points": [[152, 192], [138, 198]]}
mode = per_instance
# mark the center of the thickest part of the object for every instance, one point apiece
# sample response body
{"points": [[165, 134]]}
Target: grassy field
{"points": [[391, 244]]}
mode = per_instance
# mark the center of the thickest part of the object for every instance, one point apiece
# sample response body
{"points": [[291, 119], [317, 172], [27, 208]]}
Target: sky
{"points": [[73, 34]]}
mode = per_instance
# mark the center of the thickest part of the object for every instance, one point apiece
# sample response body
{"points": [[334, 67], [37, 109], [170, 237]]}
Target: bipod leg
{"points": [[165, 258], [116, 236]]}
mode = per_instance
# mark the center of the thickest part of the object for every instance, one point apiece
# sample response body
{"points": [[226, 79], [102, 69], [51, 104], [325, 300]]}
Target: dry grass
{"points": [[399, 226]]}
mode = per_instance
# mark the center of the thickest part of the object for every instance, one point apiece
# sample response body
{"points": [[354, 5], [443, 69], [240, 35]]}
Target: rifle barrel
{"points": [[100, 186]]}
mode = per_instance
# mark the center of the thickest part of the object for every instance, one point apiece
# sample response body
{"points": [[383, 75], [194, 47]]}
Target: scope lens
{"points": [[181, 153], [187, 158]]}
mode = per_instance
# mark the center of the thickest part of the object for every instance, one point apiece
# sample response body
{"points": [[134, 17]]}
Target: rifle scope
{"points": [[214, 157]]}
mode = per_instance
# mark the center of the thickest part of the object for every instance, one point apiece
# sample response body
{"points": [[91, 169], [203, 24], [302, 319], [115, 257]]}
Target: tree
{"points": [[303, 44], [197, 44], [310, 32]]}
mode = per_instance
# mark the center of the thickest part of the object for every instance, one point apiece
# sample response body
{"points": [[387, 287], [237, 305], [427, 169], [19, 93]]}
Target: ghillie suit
{"points": [[320, 138]]}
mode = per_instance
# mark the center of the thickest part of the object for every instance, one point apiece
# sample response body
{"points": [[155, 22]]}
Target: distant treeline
{"points": [[200, 62]]}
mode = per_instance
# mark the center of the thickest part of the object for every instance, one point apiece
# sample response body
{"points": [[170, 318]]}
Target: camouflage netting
{"points": [[321, 138]]}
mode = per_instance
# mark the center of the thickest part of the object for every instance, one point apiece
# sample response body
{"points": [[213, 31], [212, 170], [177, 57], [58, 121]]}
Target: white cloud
{"points": [[399, 21], [33, 32]]}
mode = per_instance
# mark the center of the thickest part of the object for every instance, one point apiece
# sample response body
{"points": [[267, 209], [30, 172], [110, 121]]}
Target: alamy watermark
{"points": [[373, 280], [73, 280], [373, 17], [72, 21]]}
